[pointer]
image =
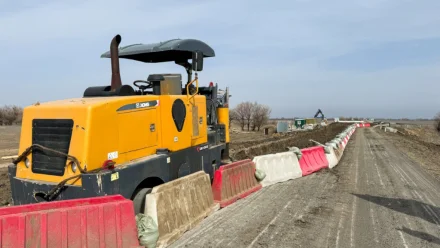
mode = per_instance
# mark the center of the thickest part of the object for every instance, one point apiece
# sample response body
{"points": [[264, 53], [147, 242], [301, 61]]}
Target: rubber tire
{"points": [[139, 200]]}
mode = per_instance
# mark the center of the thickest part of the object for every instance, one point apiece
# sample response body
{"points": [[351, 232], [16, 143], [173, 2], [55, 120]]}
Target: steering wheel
{"points": [[142, 87]]}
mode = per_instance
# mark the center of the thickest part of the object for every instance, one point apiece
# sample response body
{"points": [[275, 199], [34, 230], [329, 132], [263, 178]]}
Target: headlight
{"points": [[74, 167], [27, 162]]}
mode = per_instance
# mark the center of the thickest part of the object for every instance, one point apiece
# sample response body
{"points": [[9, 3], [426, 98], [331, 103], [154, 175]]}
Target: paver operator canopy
{"points": [[175, 50]]}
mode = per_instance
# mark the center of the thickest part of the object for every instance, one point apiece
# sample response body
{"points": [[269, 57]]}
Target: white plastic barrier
{"points": [[331, 158], [344, 142], [332, 144], [390, 129], [278, 167], [295, 150]]}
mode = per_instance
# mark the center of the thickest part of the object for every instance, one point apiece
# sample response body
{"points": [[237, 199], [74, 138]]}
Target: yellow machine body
{"points": [[102, 131], [223, 118]]}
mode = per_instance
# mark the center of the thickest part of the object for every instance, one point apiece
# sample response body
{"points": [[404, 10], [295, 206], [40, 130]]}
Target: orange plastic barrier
{"points": [[312, 159], [234, 181]]}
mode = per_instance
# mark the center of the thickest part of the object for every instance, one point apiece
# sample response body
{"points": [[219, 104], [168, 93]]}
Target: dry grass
{"points": [[9, 137], [9, 140], [426, 133]]}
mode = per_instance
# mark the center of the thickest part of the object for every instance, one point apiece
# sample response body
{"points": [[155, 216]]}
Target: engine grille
{"points": [[54, 134]]}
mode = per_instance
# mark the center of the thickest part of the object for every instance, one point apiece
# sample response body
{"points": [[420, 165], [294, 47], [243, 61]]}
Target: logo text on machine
{"points": [[142, 104], [202, 148]]}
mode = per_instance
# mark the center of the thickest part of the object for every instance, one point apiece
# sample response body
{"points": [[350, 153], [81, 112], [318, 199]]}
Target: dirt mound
{"points": [[280, 144], [426, 134], [244, 144]]}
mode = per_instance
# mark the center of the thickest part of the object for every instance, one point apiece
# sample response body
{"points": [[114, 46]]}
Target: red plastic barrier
{"points": [[312, 159], [107, 221], [363, 125], [234, 181]]}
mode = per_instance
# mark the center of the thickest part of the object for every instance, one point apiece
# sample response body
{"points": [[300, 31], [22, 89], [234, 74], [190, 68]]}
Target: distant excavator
{"points": [[319, 112]]}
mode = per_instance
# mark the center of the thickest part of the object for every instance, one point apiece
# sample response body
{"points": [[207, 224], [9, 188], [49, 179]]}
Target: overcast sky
{"points": [[375, 58]]}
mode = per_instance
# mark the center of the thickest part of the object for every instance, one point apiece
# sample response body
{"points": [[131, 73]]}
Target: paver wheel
{"points": [[139, 200]]}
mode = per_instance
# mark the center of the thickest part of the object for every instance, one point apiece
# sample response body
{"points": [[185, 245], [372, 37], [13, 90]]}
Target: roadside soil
{"points": [[300, 139]]}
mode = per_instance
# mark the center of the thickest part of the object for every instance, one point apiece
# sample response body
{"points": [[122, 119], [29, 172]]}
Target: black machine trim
{"points": [[179, 114], [167, 51], [129, 177], [97, 91], [54, 134], [139, 105]]}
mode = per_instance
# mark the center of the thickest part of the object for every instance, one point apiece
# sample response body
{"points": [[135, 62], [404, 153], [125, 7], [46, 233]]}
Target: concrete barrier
{"points": [[332, 144], [234, 181], [344, 142], [107, 221], [390, 129], [345, 139], [339, 152], [179, 205], [295, 150], [331, 158], [278, 167]]}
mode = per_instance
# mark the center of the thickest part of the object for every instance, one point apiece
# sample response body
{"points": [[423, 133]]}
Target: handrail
{"points": [[196, 79]]}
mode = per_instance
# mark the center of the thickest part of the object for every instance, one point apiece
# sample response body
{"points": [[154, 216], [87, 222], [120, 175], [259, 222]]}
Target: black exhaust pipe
{"points": [[114, 55]]}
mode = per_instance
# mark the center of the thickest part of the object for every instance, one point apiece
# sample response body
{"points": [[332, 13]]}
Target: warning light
{"points": [[108, 164], [211, 84]]}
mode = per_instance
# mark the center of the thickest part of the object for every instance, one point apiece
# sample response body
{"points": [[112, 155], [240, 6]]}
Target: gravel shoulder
{"points": [[427, 154]]}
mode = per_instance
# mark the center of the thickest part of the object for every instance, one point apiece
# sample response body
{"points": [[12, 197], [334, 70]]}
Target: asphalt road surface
{"points": [[376, 197]]}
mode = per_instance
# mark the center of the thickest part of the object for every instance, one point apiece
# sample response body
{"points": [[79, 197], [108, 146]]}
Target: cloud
{"points": [[91, 19], [387, 55]]}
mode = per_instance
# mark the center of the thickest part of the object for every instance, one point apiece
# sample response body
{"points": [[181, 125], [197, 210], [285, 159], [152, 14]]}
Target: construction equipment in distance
{"points": [[324, 121], [319, 112], [118, 140]]}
